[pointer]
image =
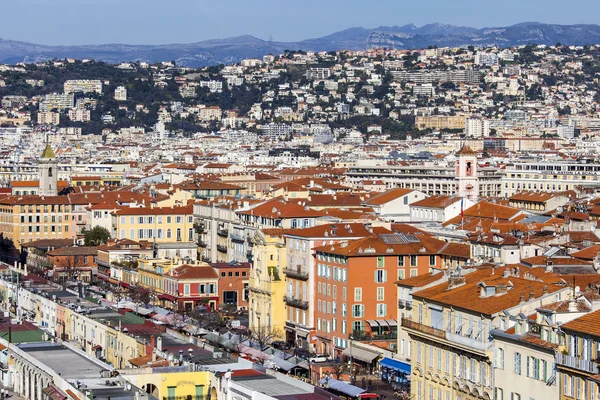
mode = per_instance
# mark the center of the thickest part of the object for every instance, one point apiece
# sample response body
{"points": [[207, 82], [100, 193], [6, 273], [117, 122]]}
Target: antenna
{"points": [[270, 44]]}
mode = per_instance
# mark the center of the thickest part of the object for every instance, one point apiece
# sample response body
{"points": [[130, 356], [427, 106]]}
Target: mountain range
{"points": [[234, 49]]}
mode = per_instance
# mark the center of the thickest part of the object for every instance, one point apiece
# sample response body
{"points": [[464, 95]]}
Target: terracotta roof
{"points": [[589, 323], [192, 272], [467, 296], [332, 231], [388, 196], [74, 251], [276, 209], [466, 151], [536, 340], [185, 210], [436, 202], [376, 245], [420, 280]]}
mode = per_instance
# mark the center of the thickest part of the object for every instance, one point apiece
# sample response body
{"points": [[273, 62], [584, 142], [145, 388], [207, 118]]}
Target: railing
{"points": [[237, 238], [366, 336], [415, 326], [199, 228], [205, 397], [405, 304], [579, 363], [297, 303], [222, 232], [202, 243], [296, 274], [221, 248], [205, 259], [469, 342]]}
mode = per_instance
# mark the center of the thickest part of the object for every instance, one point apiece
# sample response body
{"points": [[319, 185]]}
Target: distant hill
{"points": [[234, 49]]}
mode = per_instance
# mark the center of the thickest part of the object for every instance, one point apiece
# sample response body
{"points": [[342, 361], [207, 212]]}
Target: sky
{"points": [[71, 22]]}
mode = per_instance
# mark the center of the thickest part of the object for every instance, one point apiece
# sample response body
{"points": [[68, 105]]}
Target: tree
{"points": [[263, 335], [96, 236]]}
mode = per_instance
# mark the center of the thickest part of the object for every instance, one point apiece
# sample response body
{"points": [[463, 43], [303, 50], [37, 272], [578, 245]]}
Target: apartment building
{"points": [[451, 323], [58, 101], [79, 115], [83, 85], [266, 286], [356, 295], [156, 224], [437, 122], [121, 93], [48, 118], [300, 275]]}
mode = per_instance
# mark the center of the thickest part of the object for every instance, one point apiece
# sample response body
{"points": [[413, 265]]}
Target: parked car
{"points": [[319, 358], [280, 345]]}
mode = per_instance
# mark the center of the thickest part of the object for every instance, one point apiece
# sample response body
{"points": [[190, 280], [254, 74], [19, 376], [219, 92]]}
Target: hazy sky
{"points": [[183, 21]]}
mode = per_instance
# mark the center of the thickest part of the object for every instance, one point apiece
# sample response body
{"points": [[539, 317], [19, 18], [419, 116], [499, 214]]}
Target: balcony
{"points": [[469, 342], [237, 238], [578, 363], [202, 243], [199, 228], [405, 304], [206, 259], [296, 274], [222, 232], [370, 336], [221, 248], [417, 327], [297, 303]]}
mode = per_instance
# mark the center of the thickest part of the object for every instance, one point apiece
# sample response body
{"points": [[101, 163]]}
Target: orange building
{"points": [[355, 284]]}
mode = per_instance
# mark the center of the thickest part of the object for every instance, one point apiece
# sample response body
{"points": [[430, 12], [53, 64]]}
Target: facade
{"points": [[356, 292], [157, 224], [233, 283], [453, 355], [48, 173], [266, 286]]}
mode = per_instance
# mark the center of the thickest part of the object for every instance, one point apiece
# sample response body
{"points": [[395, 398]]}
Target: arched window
{"points": [[49, 171]]}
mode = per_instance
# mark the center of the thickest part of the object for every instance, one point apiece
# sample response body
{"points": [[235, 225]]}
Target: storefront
{"points": [[393, 370]]}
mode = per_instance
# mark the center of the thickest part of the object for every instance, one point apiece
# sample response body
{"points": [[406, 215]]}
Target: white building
{"points": [[121, 93]]}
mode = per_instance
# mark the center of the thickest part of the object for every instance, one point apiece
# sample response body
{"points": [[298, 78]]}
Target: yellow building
{"points": [[159, 224], [267, 281], [440, 122], [151, 272], [162, 383], [27, 218]]}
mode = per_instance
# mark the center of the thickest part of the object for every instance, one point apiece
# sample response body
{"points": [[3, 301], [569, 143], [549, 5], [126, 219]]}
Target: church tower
{"points": [[48, 173], [467, 183]]}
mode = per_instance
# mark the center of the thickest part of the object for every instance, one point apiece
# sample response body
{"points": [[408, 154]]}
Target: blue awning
{"points": [[396, 365]]}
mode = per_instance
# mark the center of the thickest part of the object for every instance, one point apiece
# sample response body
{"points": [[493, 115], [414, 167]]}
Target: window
{"points": [[380, 276], [178, 219], [499, 359], [400, 274], [186, 289], [379, 261], [515, 396], [380, 294], [413, 261], [357, 294], [432, 260], [358, 311], [401, 261], [381, 310], [518, 363]]}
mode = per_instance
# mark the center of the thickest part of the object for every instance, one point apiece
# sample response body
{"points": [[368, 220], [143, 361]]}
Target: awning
{"points": [[342, 387], [360, 354], [301, 334], [167, 297], [102, 277], [282, 364], [124, 284], [396, 365], [372, 323], [391, 322], [54, 393], [113, 281]]}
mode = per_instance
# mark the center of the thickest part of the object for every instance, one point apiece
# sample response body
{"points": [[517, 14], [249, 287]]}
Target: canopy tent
{"points": [[342, 387], [360, 354], [282, 364]]}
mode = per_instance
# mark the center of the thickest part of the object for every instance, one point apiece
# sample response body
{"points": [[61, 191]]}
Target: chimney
{"points": [[456, 281], [153, 356], [501, 288], [522, 298], [545, 289], [573, 305], [531, 294], [152, 342], [159, 343]]}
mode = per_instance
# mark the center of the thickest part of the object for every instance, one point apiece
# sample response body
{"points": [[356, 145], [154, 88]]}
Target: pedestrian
{"points": [[2, 393], [364, 383]]}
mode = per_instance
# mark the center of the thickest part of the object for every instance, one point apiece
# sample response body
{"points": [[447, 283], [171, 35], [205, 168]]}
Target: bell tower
{"points": [[48, 173], [467, 182]]}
